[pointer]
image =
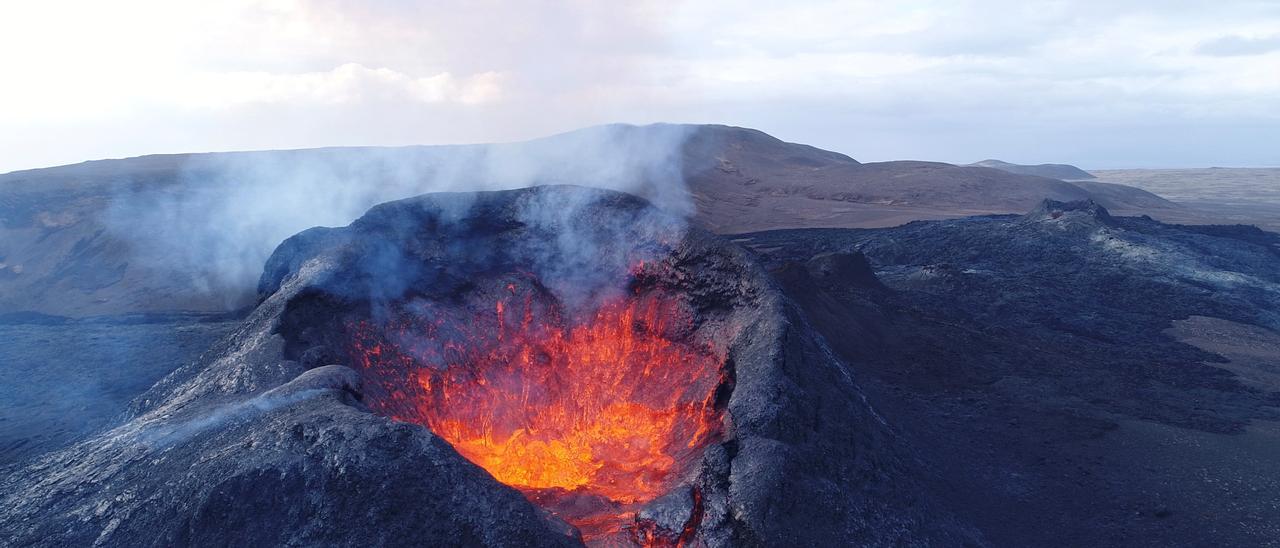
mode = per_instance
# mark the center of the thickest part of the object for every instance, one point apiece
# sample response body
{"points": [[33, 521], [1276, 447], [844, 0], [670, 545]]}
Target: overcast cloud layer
{"points": [[1100, 84]]}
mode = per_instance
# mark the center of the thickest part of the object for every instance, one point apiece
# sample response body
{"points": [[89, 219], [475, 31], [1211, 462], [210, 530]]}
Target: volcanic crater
{"points": [[584, 362], [547, 366], [592, 412]]}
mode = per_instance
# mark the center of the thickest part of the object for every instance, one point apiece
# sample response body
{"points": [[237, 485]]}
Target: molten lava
{"points": [[590, 418]]}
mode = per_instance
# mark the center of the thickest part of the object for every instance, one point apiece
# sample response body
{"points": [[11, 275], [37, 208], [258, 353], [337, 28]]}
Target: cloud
{"points": [[1233, 45], [859, 76], [348, 83]]}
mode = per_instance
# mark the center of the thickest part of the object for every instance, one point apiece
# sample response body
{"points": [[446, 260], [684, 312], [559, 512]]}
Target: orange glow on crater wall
{"points": [[608, 407]]}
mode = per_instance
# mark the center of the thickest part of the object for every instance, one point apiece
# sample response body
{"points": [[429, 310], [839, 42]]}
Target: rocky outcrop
{"points": [[1077, 213]]}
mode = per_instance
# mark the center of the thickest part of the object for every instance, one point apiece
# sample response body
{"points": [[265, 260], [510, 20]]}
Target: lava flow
{"points": [[590, 418]]}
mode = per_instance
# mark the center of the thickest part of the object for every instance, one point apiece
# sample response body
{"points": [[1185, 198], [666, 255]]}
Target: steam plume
{"points": [[228, 211]]}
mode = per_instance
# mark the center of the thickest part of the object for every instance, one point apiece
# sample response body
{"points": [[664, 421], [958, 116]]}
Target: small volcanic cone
{"points": [[538, 367]]}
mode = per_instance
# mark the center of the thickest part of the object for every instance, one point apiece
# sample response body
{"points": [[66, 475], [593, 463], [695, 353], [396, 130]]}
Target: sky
{"points": [[1100, 84]]}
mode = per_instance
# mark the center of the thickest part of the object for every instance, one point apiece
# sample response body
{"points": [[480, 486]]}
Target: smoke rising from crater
{"points": [[227, 212]]}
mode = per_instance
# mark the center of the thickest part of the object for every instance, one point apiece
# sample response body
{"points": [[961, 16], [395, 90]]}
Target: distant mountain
{"points": [[743, 180], [1065, 172], [190, 231]]}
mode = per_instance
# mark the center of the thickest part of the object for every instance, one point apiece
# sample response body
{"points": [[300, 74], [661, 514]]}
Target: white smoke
{"points": [[217, 225]]}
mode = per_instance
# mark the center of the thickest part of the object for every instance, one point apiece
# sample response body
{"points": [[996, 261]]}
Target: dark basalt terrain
{"points": [[1076, 379], [267, 438]]}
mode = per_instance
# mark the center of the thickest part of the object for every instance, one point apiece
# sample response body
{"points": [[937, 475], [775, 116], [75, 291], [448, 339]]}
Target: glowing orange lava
{"points": [[608, 410]]}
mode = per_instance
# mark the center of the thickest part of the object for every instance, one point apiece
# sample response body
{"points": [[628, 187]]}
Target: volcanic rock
{"points": [[844, 269], [1076, 213], [263, 443], [1072, 375]]}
